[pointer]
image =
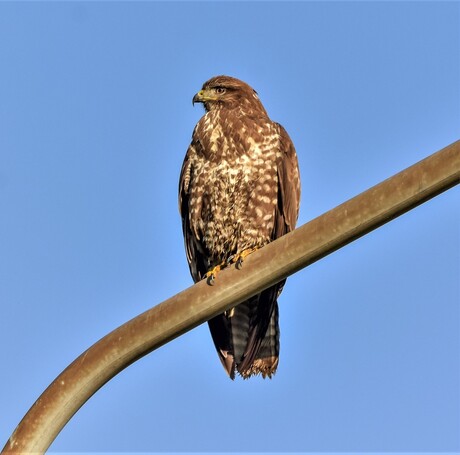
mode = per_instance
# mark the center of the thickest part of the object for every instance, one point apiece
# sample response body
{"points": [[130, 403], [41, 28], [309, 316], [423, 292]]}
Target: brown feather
{"points": [[239, 189]]}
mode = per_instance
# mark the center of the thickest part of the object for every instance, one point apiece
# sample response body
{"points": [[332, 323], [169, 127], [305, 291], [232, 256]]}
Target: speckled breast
{"points": [[235, 186]]}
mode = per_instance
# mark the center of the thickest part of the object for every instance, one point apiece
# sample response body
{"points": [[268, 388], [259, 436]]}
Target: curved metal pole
{"points": [[148, 331]]}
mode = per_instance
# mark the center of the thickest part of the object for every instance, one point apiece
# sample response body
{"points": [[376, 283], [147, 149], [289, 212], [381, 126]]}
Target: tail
{"points": [[247, 336]]}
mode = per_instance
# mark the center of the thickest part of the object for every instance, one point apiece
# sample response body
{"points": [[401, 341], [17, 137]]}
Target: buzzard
{"points": [[239, 189]]}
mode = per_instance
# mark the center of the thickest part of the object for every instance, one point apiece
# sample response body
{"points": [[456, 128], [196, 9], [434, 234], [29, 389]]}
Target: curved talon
{"points": [[239, 258], [211, 275]]}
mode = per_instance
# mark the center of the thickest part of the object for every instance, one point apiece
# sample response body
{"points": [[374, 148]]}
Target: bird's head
{"points": [[229, 93]]}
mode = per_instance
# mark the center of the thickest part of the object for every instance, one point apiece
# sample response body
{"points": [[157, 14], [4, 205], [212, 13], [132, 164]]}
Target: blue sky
{"points": [[96, 116]]}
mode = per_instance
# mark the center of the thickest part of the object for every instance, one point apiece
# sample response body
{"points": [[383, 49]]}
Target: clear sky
{"points": [[95, 119]]}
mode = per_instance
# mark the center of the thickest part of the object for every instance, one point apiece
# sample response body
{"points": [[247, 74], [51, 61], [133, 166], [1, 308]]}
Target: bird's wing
{"points": [[195, 257], [287, 209]]}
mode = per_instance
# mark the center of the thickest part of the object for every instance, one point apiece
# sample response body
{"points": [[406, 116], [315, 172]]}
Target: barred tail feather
{"points": [[247, 336], [262, 345]]}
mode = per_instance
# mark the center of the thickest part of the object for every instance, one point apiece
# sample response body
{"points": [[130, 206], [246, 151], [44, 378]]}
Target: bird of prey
{"points": [[239, 189]]}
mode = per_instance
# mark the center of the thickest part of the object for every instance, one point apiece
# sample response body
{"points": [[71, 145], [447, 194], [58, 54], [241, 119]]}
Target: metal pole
{"points": [[150, 330]]}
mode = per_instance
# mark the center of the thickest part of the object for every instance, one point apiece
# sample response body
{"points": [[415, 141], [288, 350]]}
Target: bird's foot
{"points": [[211, 275], [238, 259]]}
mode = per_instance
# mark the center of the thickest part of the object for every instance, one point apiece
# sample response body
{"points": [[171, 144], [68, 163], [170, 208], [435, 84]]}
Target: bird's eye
{"points": [[220, 90]]}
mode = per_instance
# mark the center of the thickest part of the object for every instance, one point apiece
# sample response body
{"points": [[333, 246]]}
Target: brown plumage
{"points": [[239, 189]]}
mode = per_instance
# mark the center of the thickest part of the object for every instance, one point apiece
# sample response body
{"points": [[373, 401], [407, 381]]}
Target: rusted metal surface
{"points": [[150, 330]]}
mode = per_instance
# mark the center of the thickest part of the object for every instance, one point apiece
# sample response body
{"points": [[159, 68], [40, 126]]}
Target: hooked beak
{"points": [[198, 98], [202, 96]]}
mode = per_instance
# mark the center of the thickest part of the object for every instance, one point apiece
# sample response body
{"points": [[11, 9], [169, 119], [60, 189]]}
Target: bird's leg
{"points": [[211, 274], [238, 258]]}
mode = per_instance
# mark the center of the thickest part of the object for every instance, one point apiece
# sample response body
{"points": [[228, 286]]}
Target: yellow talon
{"points": [[238, 259], [211, 275]]}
